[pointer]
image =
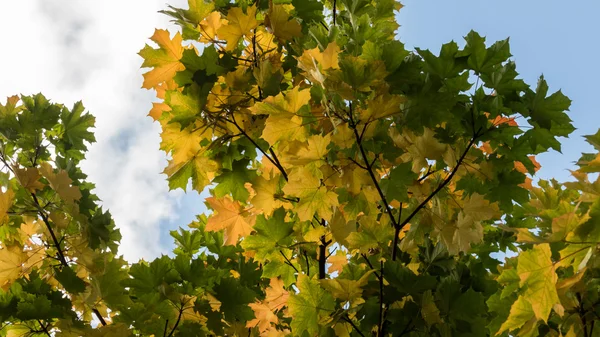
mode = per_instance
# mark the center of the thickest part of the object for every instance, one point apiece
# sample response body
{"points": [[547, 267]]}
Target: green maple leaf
{"points": [[395, 185], [309, 306], [309, 10], [234, 300], [269, 234], [188, 242], [69, 280], [549, 112], [233, 181]]}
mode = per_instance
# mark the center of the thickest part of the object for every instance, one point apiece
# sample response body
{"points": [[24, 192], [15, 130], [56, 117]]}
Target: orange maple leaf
{"points": [[229, 216]]}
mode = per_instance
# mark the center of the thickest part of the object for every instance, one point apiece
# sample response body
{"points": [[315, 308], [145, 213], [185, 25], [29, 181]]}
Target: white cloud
{"points": [[82, 50]]}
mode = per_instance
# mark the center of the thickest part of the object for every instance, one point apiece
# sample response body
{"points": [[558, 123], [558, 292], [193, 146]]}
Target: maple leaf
{"points": [[164, 60], [230, 217], [537, 274], [183, 144], [61, 183], [6, 200], [520, 313], [200, 168], [321, 201], [12, 264], [314, 62], [337, 262], [279, 22], [284, 121], [346, 290], [209, 27], [309, 305], [266, 311], [29, 178], [238, 25], [266, 199]]}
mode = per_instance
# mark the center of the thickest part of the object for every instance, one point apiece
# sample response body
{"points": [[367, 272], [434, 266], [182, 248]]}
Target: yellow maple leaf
{"points": [[29, 178], [459, 235], [199, 9], [320, 201], [61, 183], [209, 27], [6, 200], [314, 62], [157, 110], [382, 106], [275, 295], [12, 264], [301, 181], [202, 168], [266, 311], [164, 60], [337, 262], [264, 317], [183, 144], [265, 43], [188, 313], [346, 290], [479, 208], [278, 19], [231, 217], [284, 127], [238, 25], [313, 152], [264, 199], [538, 277]]}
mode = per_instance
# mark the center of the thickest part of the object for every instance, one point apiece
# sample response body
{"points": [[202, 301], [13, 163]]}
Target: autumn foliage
{"points": [[357, 189]]}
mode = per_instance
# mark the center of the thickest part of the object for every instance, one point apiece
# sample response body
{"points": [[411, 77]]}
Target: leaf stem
{"points": [[288, 261]]}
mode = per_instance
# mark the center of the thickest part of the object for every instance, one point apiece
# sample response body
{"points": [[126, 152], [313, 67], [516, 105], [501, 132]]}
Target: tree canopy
{"points": [[357, 189]]}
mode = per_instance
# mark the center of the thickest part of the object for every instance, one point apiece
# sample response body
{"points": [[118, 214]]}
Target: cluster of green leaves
{"points": [[357, 188]]}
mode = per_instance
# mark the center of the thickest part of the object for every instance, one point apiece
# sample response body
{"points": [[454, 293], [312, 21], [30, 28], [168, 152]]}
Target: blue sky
{"points": [[76, 50], [558, 39]]}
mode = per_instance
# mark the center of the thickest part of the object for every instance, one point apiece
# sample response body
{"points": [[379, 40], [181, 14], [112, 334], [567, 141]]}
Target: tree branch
{"points": [[275, 163], [443, 184], [42, 213], [369, 168], [347, 319], [177, 322], [396, 235], [99, 317], [288, 261], [44, 328], [380, 324]]}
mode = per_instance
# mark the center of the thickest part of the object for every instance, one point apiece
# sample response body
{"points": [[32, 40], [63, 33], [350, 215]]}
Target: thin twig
{"points": [[347, 319], [289, 262]]}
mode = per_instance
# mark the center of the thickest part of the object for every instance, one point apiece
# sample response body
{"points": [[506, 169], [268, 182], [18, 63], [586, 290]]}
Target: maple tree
{"points": [[357, 188]]}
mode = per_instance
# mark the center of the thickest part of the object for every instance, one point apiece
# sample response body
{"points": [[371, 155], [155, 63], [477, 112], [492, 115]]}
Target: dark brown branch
{"points": [[99, 317], [334, 11], [44, 328], [369, 168], [307, 263], [380, 324], [443, 184], [166, 325], [396, 235], [379, 277], [275, 163], [582, 313], [323, 257], [347, 319], [42, 213], [177, 322]]}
